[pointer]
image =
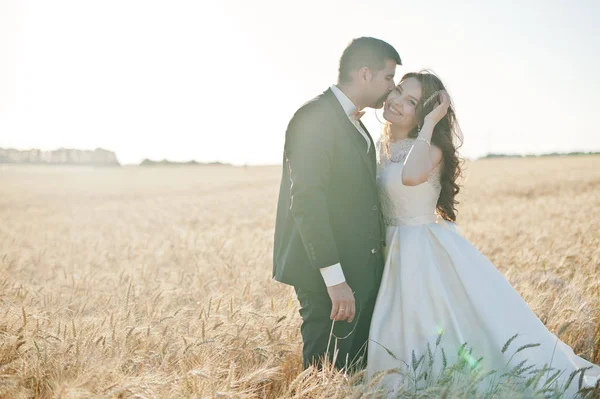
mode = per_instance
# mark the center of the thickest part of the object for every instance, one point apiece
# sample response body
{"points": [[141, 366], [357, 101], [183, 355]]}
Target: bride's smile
{"points": [[400, 106]]}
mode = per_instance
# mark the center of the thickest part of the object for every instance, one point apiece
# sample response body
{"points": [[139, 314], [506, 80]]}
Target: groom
{"points": [[329, 233]]}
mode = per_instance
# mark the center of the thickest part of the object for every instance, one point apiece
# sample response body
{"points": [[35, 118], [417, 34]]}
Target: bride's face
{"points": [[400, 106]]}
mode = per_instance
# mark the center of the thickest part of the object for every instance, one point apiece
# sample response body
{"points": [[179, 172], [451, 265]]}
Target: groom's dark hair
{"points": [[366, 51]]}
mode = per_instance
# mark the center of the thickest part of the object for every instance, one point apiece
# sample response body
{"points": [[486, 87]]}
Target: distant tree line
{"points": [[551, 154], [68, 156], [62, 156], [102, 157], [164, 162]]}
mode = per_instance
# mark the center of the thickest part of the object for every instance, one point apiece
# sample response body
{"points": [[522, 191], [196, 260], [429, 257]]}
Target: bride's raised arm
{"points": [[424, 157]]}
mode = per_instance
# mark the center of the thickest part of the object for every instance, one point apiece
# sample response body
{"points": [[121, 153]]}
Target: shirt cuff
{"points": [[333, 275]]}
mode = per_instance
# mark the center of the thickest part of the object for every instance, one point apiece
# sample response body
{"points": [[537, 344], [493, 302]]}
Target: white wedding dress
{"points": [[434, 280]]}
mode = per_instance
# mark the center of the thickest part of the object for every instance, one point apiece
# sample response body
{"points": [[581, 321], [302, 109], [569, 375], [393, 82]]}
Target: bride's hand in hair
{"points": [[437, 114]]}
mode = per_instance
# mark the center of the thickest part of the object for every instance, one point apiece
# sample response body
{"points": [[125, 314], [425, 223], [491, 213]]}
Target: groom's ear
{"points": [[365, 75]]}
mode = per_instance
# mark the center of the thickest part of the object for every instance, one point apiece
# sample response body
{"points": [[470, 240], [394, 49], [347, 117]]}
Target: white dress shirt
{"points": [[334, 275], [350, 109]]}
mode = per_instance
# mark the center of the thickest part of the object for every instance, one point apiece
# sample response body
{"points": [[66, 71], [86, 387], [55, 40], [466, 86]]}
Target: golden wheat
{"points": [[155, 282]]}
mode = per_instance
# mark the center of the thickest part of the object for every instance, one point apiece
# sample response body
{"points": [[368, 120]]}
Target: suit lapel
{"points": [[354, 135], [361, 145], [371, 154]]}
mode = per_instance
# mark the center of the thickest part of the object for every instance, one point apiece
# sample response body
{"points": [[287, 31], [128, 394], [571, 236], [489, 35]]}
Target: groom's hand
{"points": [[342, 301]]}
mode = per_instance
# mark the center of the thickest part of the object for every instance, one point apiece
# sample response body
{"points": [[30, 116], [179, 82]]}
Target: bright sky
{"points": [[219, 80]]}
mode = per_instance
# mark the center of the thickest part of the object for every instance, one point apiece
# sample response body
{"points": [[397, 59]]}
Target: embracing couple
{"points": [[365, 232]]}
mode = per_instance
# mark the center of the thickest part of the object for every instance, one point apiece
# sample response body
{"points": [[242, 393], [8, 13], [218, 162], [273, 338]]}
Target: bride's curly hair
{"points": [[446, 135]]}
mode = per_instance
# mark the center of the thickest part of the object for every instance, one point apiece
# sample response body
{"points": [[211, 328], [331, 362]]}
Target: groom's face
{"points": [[382, 83]]}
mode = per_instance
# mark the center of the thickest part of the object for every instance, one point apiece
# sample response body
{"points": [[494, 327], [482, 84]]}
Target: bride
{"points": [[435, 283]]}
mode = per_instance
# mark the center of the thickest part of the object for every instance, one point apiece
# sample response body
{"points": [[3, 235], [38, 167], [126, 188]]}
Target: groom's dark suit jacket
{"points": [[328, 210]]}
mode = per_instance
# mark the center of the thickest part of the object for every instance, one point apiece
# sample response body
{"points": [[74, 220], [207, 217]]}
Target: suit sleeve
{"points": [[308, 154]]}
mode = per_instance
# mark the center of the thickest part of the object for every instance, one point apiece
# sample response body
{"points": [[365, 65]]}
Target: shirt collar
{"points": [[347, 104]]}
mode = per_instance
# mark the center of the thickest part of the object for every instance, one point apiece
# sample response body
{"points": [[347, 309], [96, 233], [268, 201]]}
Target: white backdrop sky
{"points": [[219, 80]]}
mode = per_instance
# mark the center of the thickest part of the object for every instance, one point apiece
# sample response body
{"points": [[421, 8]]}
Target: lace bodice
{"points": [[400, 204]]}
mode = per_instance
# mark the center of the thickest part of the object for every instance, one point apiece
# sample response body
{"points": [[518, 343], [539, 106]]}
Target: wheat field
{"points": [[156, 282]]}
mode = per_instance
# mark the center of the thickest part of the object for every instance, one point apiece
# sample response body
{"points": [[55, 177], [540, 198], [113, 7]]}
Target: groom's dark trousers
{"points": [[348, 339], [328, 213]]}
